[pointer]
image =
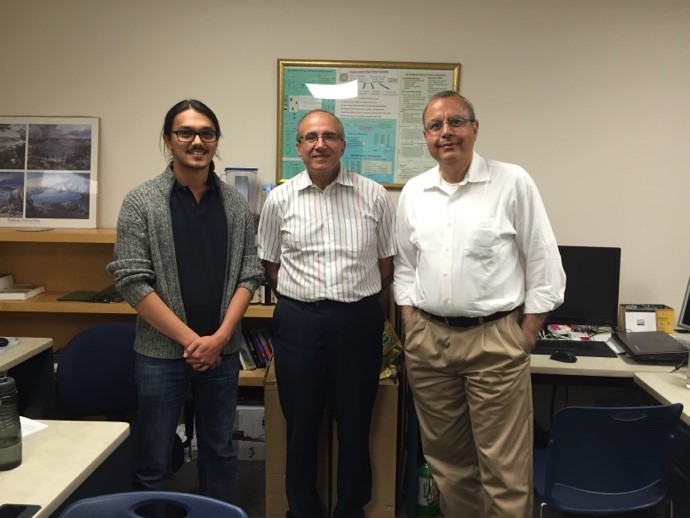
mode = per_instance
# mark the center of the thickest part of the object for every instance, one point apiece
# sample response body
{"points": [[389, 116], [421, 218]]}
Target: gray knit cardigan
{"points": [[145, 257]]}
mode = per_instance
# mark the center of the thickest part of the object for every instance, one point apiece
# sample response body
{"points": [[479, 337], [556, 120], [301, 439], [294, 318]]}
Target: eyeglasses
{"points": [[188, 135], [454, 122], [328, 137]]}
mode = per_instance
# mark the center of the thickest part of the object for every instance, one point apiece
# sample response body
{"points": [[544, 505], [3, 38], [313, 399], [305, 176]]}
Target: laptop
{"points": [[652, 346]]}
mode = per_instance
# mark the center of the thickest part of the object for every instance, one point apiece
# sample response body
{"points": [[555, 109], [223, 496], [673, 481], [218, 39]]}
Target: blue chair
{"points": [[151, 503], [607, 460], [95, 377], [95, 372]]}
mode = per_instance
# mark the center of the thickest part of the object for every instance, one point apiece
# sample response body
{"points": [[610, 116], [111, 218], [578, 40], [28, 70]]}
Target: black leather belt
{"points": [[467, 321]]}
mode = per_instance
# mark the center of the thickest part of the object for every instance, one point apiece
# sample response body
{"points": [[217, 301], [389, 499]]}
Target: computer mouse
{"points": [[4, 342], [564, 356]]}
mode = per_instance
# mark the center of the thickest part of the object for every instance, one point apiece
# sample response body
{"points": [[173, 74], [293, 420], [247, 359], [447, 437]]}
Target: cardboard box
{"points": [[249, 432], [645, 317], [382, 444]]}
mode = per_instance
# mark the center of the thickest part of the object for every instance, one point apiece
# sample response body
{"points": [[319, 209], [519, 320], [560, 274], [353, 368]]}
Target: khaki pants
{"points": [[473, 396]]}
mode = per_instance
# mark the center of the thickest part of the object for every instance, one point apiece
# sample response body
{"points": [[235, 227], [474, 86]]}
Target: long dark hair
{"points": [[188, 104]]}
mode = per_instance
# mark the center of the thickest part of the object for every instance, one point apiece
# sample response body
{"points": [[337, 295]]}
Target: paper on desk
{"points": [[618, 349], [613, 345], [30, 426]]}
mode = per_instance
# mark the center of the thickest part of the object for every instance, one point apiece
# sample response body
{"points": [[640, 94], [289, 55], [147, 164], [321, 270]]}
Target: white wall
{"points": [[592, 97]]}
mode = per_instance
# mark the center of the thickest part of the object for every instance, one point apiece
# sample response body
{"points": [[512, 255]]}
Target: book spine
{"points": [[265, 338], [6, 280], [246, 358], [259, 347], [252, 350]]}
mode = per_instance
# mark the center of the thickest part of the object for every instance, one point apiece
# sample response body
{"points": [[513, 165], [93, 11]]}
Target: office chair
{"points": [[95, 377], [95, 373], [607, 461], [151, 503]]}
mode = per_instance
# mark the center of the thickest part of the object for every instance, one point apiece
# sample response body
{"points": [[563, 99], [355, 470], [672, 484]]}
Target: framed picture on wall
{"points": [[380, 105], [48, 172]]}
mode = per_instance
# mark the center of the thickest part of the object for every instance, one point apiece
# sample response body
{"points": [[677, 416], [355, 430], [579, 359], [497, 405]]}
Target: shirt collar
{"points": [[211, 181], [344, 178], [477, 172]]}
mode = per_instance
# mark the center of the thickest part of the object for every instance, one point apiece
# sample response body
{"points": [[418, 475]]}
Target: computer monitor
{"points": [[684, 315], [591, 290]]}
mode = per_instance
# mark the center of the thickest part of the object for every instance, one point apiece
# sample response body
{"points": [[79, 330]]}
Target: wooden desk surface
{"points": [[619, 367], [56, 460], [12, 356], [667, 388]]}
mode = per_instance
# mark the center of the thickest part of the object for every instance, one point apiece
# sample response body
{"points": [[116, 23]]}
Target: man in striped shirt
{"points": [[326, 242]]}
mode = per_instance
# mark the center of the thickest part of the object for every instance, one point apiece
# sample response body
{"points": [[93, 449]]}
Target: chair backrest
{"points": [[95, 372], [611, 449], [142, 503]]}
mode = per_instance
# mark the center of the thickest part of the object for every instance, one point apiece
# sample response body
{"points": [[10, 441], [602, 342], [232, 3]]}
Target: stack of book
{"points": [[9, 290], [257, 349]]}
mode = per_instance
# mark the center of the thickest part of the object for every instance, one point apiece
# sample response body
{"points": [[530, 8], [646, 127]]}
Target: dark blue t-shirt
{"points": [[200, 232]]}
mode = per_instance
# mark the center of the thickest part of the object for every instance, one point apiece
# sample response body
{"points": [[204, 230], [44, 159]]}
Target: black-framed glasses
{"points": [[188, 135], [454, 122], [328, 137]]}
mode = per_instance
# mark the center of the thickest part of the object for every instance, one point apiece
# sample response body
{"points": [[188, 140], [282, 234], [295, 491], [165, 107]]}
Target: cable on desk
{"points": [[682, 364]]}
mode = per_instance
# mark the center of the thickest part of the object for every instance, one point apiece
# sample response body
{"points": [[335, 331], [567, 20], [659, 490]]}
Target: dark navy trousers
{"points": [[327, 352]]}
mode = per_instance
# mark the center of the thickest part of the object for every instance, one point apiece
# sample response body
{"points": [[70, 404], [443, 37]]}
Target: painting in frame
{"points": [[48, 172], [382, 116]]}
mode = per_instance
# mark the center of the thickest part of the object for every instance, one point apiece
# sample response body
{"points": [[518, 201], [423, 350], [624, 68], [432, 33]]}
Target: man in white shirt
{"points": [[326, 241], [477, 271]]}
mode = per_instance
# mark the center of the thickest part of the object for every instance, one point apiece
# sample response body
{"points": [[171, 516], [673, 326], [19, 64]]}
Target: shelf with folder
{"points": [[66, 260], [63, 260], [58, 235], [48, 303]]}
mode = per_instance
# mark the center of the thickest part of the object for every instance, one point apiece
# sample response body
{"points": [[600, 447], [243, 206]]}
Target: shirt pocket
{"points": [[483, 243], [358, 237]]}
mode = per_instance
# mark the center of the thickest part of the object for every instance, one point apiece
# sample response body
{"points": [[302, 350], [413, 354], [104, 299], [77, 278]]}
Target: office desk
{"points": [[594, 373], [591, 381], [619, 367], [667, 388], [59, 460], [12, 356], [670, 388], [30, 363]]}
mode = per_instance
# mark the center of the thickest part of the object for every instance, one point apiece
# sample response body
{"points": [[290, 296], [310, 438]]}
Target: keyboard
{"points": [[577, 347]]}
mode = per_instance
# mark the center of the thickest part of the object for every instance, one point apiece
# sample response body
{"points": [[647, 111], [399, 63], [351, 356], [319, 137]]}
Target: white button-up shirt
{"points": [[483, 247]]}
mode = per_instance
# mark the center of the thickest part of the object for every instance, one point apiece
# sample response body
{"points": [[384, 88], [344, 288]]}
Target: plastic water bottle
{"points": [[427, 493], [10, 429]]}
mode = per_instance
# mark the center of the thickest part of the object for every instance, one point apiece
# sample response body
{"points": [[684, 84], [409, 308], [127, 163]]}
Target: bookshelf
{"points": [[67, 260]]}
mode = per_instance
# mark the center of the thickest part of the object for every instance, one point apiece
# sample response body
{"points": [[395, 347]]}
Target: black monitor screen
{"points": [[591, 290]]}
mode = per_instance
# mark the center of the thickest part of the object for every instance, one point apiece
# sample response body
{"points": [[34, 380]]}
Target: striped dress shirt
{"points": [[328, 242]]}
